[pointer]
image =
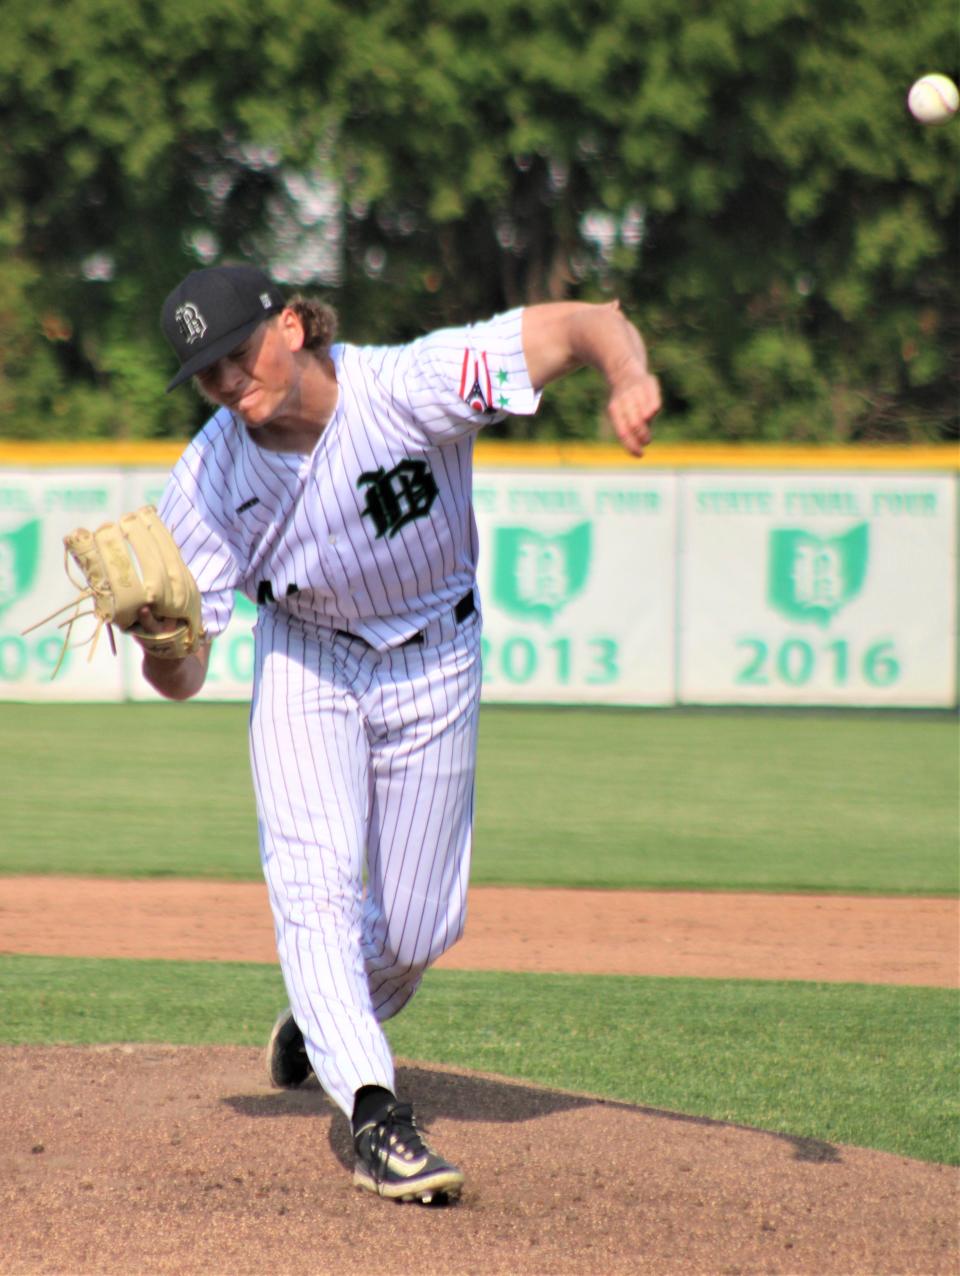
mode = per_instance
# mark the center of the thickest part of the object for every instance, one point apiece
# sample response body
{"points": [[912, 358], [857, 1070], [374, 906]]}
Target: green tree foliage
{"points": [[742, 173]]}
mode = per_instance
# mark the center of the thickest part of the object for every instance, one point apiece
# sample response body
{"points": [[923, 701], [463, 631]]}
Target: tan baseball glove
{"points": [[127, 565]]}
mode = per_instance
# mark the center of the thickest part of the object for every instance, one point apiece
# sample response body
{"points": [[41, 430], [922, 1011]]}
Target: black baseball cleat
{"points": [[287, 1062], [394, 1161]]}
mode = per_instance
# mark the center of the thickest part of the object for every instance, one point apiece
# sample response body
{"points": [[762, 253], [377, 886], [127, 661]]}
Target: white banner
{"points": [[640, 587], [37, 509], [818, 588], [577, 582]]}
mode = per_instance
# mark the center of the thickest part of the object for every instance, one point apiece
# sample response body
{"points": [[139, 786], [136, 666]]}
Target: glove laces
{"points": [[87, 591]]}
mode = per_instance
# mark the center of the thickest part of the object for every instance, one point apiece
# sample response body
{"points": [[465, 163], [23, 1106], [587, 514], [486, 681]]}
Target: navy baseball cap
{"points": [[210, 312]]}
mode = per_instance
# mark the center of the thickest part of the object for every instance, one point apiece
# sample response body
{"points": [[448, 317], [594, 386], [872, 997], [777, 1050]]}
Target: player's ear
{"points": [[291, 329]]}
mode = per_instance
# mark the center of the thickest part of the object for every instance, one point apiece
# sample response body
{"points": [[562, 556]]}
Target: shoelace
{"points": [[396, 1133]]}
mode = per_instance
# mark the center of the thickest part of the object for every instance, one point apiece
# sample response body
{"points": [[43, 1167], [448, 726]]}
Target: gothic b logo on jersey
{"points": [[398, 496]]}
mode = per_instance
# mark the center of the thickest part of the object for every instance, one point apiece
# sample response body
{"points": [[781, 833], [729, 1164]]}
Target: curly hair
{"points": [[319, 321]]}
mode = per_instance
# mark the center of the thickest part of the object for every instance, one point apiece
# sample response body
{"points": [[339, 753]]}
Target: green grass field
{"points": [[722, 800], [871, 1066], [708, 800]]}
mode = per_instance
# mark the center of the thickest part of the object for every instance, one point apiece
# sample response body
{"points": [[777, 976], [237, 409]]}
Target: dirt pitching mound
{"points": [[155, 1159]]}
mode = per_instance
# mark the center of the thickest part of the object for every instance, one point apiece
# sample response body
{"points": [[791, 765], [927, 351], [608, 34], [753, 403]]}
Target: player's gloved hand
{"points": [[131, 567], [150, 626]]}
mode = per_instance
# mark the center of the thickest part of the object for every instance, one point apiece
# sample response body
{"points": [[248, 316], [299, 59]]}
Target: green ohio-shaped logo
{"points": [[812, 577], [19, 558], [534, 575]]}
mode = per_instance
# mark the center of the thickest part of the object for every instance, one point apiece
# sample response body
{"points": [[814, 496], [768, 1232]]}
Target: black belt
{"points": [[464, 608]]}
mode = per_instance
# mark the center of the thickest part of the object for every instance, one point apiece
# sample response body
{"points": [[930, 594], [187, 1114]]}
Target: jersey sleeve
{"points": [[461, 379], [202, 533]]}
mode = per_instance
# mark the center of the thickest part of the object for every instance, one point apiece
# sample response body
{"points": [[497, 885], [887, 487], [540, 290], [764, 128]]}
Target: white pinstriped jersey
{"points": [[374, 531]]}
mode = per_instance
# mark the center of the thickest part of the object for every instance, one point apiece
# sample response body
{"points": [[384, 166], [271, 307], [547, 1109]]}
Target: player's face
{"points": [[259, 379]]}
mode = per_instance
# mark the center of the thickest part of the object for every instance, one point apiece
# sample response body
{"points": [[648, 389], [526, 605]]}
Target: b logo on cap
{"points": [[191, 322]]}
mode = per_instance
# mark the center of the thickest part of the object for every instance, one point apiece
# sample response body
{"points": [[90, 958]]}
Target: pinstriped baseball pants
{"points": [[363, 767]]}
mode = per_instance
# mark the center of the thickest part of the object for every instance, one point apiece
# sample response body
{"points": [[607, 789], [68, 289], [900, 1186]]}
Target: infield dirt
{"points": [[697, 934]]}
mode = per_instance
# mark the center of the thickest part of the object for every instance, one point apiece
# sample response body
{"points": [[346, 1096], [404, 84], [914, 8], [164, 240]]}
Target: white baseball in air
{"points": [[933, 99]]}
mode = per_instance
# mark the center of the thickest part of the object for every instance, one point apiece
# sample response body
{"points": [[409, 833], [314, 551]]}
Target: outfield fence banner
{"points": [[836, 589], [630, 587], [577, 581], [37, 508]]}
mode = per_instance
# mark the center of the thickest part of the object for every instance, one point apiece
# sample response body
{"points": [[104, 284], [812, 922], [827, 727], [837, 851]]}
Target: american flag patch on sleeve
{"points": [[476, 387]]}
